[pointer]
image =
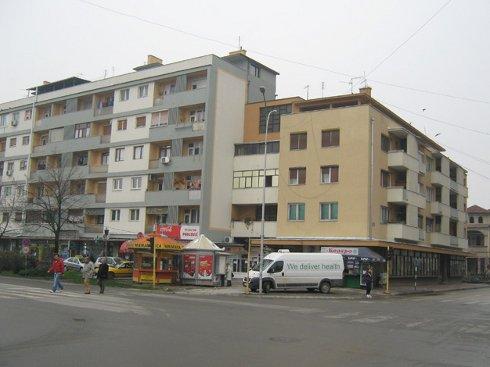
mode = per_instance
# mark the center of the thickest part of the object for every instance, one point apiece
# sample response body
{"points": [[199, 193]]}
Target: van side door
{"points": [[276, 271]]}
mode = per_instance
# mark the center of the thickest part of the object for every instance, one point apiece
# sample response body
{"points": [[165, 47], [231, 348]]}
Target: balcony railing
{"points": [[253, 229], [100, 198], [98, 169], [104, 110], [94, 228]]}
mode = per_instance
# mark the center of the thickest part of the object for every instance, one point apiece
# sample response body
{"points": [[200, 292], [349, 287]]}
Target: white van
{"points": [[295, 270]]}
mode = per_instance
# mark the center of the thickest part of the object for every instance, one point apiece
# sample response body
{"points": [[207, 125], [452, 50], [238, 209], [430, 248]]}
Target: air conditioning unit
{"points": [[10, 172], [165, 160], [14, 122], [229, 239]]}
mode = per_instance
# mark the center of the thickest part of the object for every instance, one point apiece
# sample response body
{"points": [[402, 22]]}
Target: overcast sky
{"points": [[54, 39]]}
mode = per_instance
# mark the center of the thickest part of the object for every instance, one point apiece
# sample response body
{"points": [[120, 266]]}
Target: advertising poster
{"points": [[189, 266], [205, 267], [178, 232]]}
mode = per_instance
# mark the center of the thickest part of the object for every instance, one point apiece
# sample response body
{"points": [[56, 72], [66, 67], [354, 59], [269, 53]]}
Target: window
{"points": [[25, 140], [5, 216], [385, 143], [275, 118], [23, 164], [277, 267], [124, 94], [330, 138], [119, 154], [136, 183], [296, 211], [41, 164], [191, 215], [330, 174], [165, 151], [138, 152], [472, 220], [18, 216], [134, 214], [159, 118], [297, 176], [255, 179], [256, 148], [28, 114], [140, 121], [385, 178], [196, 116], [7, 191], [117, 184], [3, 120], [82, 130], [115, 215], [16, 117], [143, 91], [297, 141], [13, 142], [104, 158], [384, 215], [44, 139], [270, 214], [122, 125], [329, 211], [21, 189], [10, 166], [480, 219], [82, 159], [254, 70], [194, 148]]}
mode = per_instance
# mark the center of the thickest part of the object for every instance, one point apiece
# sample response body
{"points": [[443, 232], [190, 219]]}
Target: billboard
{"points": [[352, 251], [178, 232]]}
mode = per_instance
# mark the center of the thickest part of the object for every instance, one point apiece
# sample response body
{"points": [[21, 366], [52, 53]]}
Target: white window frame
{"points": [[136, 149], [23, 164], [329, 204], [191, 215], [115, 215], [329, 181], [122, 124], [134, 215], [143, 91], [82, 130], [194, 147], [136, 122], [136, 182], [297, 206], [24, 139], [117, 184], [119, 155], [384, 215], [124, 94]]}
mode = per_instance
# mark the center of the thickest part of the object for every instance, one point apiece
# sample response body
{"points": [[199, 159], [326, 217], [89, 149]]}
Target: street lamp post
{"points": [[262, 90]]}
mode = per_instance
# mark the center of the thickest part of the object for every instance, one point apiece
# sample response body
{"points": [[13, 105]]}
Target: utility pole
{"points": [[106, 237]]}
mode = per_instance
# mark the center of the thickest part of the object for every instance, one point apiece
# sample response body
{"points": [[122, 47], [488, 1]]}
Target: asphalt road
{"points": [[144, 328]]}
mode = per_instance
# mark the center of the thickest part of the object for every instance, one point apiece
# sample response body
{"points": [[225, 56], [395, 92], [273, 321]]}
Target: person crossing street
{"points": [[57, 268]]}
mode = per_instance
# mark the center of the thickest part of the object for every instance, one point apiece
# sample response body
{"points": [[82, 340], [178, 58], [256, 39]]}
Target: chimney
{"points": [[154, 60], [365, 90]]}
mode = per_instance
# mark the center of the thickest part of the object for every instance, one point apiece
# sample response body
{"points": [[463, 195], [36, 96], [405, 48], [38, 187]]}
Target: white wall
{"points": [[132, 132], [133, 103], [124, 225], [228, 130], [126, 194], [129, 164], [19, 149]]}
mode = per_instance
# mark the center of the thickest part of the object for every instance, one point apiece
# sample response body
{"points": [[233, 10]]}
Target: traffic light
{"points": [[151, 241]]}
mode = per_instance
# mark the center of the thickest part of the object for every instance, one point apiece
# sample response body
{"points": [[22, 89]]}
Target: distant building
{"points": [[479, 238]]}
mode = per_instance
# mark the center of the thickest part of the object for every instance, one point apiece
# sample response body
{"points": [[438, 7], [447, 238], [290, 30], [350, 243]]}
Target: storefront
{"points": [[160, 265]]}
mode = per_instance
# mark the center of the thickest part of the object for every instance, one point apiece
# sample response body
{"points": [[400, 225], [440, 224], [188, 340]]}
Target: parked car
{"points": [[75, 262], [124, 269], [111, 261]]}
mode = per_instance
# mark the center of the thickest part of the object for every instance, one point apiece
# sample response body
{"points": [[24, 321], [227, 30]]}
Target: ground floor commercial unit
{"points": [[401, 260]]}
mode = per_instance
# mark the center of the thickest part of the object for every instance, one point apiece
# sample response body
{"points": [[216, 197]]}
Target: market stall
{"points": [[357, 262], [204, 263], [156, 259]]}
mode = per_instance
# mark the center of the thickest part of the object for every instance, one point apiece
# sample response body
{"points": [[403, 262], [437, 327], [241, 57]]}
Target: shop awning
{"points": [[203, 243], [366, 254], [161, 243]]}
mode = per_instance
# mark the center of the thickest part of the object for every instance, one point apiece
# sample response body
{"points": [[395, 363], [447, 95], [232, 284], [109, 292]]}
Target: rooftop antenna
{"points": [[113, 70], [105, 73], [351, 83], [307, 92], [323, 88], [239, 42]]}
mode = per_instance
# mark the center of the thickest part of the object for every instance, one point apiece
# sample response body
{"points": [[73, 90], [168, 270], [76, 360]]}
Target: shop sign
{"points": [[189, 266], [205, 267], [178, 232], [348, 251]]}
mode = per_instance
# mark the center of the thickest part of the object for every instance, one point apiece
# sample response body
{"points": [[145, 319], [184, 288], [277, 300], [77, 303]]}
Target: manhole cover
{"points": [[79, 320], [284, 339]]}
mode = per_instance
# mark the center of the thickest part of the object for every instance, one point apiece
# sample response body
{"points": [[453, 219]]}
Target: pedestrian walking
{"points": [[103, 274], [367, 278], [87, 274], [57, 268]]}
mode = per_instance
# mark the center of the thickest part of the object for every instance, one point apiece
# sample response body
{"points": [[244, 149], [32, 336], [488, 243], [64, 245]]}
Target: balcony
{"points": [[185, 98], [254, 195], [437, 178], [101, 111], [99, 169], [178, 164], [399, 195], [173, 197], [457, 187], [70, 145], [402, 232], [454, 213], [100, 198], [441, 239], [421, 234], [253, 229], [66, 119], [398, 159], [94, 228], [438, 208]]}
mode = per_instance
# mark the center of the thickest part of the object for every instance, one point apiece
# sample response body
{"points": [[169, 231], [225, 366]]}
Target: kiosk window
{"points": [[276, 267]]}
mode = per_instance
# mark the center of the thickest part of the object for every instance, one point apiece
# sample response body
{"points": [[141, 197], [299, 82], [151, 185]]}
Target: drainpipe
{"points": [[371, 168]]}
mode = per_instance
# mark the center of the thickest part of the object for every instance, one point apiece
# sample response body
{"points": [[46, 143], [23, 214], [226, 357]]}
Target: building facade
{"points": [[348, 172], [479, 239], [149, 147]]}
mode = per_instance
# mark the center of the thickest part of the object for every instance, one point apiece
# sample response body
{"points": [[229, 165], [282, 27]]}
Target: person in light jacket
{"points": [[87, 274]]}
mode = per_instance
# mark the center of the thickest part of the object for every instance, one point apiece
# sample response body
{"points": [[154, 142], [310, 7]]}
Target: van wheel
{"points": [[310, 289], [325, 287], [266, 287]]}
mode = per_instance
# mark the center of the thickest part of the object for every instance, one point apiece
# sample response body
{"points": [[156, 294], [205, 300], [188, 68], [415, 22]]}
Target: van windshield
{"points": [[265, 264]]}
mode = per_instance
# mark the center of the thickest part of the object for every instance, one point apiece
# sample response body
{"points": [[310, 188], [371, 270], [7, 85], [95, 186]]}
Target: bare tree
{"points": [[54, 196], [12, 203]]}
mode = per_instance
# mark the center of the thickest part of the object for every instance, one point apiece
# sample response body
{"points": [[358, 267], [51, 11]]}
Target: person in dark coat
{"points": [[102, 274], [367, 277]]}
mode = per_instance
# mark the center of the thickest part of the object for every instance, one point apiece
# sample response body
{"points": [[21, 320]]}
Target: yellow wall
{"points": [[352, 156]]}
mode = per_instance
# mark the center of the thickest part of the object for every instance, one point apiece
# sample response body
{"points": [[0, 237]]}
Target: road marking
{"points": [[342, 315], [418, 323], [373, 319]]}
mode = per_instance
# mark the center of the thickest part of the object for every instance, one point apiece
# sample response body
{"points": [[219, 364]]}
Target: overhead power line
{"points": [[408, 39], [469, 155], [438, 121], [283, 59]]}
